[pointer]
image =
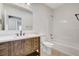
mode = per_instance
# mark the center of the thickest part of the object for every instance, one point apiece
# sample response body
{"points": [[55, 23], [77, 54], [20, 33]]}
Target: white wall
{"points": [[41, 16], [66, 28]]}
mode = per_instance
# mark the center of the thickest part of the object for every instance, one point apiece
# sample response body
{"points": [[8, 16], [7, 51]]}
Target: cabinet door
{"points": [[27, 46], [18, 50], [11, 48], [4, 49]]}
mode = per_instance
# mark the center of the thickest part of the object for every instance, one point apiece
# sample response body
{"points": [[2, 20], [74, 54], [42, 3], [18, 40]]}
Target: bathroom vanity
{"points": [[22, 47], [14, 19]]}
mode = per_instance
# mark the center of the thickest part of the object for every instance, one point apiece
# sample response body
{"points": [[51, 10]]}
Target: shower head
{"points": [[77, 16]]}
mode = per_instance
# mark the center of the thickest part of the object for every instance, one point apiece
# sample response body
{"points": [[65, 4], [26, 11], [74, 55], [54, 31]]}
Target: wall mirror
{"points": [[15, 16]]}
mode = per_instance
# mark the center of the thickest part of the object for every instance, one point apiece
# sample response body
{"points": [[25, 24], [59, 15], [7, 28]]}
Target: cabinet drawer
{"points": [[4, 52], [36, 45], [36, 40], [4, 49], [3, 45]]}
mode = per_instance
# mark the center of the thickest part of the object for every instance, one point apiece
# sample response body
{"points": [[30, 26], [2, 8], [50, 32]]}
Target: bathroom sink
{"points": [[15, 37], [7, 38], [27, 36]]}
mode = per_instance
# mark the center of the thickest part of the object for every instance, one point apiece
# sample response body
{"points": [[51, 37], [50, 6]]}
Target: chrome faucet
{"points": [[20, 34]]}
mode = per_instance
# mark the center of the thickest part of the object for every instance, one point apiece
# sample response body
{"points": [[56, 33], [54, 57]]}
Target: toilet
{"points": [[46, 46]]}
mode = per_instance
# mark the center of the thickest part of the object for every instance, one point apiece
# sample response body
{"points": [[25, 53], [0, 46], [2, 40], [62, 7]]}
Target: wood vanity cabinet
{"points": [[20, 47]]}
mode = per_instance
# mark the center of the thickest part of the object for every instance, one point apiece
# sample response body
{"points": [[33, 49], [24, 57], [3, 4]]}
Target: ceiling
{"points": [[53, 5]]}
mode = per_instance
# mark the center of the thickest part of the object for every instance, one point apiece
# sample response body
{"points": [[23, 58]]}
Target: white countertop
{"points": [[15, 37]]}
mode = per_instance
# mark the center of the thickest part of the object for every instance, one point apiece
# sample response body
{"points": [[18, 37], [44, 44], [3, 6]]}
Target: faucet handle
{"points": [[23, 34], [17, 34]]}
